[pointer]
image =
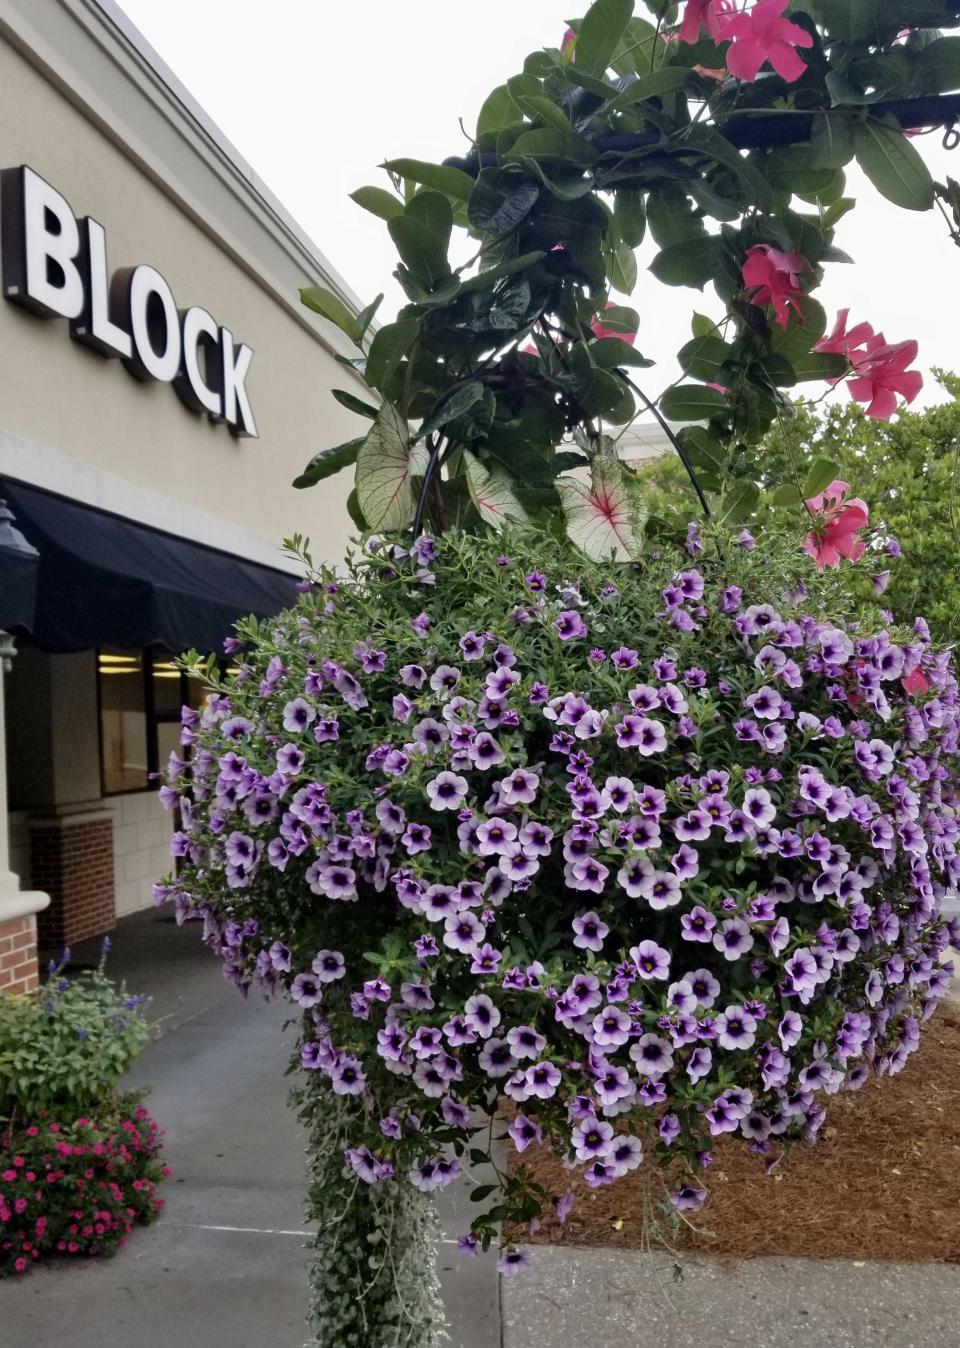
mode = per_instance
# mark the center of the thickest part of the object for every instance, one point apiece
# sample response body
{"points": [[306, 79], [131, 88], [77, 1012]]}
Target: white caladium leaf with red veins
{"points": [[492, 495], [607, 518], [386, 467]]}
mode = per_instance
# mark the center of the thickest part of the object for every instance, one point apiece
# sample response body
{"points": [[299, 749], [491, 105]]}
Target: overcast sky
{"points": [[316, 95]]}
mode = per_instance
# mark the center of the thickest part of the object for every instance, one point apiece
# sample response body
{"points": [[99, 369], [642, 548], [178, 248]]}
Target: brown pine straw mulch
{"points": [[883, 1181]]}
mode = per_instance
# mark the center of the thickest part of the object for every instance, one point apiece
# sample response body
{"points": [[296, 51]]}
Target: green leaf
{"points": [[691, 402], [492, 274], [378, 202], [331, 307], [539, 108], [454, 405], [501, 200], [704, 357], [622, 269], [671, 217], [821, 474], [938, 65], [690, 263], [390, 344], [629, 213], [421, 250], [365, 316], [354, 404], [620, 318], [492, 495], [893, 165], [612, 352], [703, 449], [812, 365], [599, 33], [328, 462], [547, 142], [607, 518], [453, 182], [787, 494], [500, 108], [740, 502], [666, 80], [386, 467]]}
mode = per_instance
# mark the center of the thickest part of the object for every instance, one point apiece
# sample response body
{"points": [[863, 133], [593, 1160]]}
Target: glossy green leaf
{"points": [[390, 344], [483, 279], [812, 365], [740, 501], [893, 165], [599, 33], [666, 80], [492, 495], [454, 405], [331, 307], [355, 404], [703, 449], [704, 357], [787, 494], [420, 249], [691, 402], [612, 352], [378, 201], [622, 269], [690, 263], [607, 518], [501, 200], [938, 65], [386, 467], [821, 474], [453, 182], [539, 108], [631, 217], [366, 315], [328, 462]]}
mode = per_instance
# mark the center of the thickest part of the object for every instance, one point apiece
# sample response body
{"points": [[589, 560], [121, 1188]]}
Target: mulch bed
{"points": [[883, 1181]]}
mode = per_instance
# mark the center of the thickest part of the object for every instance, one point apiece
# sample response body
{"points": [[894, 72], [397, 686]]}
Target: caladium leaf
{"points": [[492, 495], [386, 467], [607, 518]]}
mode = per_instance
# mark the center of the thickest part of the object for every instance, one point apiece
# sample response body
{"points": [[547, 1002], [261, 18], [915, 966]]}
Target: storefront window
{"points": [[141, 694]]}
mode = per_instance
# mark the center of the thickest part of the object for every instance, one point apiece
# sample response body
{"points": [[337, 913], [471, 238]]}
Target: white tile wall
{"points": [[141, 833]]}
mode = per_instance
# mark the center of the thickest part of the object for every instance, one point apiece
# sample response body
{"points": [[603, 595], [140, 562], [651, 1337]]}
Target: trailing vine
{"points": [[719, 129]]}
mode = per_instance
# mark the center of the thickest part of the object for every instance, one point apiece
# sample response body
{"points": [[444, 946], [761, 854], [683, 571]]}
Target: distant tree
{"points": [[907, 472]]}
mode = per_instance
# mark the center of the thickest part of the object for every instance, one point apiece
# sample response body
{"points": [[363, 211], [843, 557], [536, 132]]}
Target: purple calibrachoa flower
{"points": [[735, 784], [651, 960]]}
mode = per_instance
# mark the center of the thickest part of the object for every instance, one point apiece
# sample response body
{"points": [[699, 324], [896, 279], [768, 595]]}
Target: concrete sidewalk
{"points": [[583, 1298]]}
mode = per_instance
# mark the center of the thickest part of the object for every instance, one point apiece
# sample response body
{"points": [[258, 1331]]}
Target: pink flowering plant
{"points": [[707, 141], [76, 1186], [614, 859]]}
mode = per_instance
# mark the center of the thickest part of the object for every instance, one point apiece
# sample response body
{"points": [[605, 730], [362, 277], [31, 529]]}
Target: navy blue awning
{"points": [[107, 581]]}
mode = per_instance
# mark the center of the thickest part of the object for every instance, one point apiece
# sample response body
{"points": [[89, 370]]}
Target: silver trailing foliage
{"points": [[373, 1280]]}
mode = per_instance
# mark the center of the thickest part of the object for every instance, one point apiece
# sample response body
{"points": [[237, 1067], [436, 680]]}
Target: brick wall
{"points": [[71, 859], [18, 955]]}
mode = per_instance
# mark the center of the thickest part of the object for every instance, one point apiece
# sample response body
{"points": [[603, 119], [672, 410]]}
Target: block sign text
{"points": [[56, 266]]}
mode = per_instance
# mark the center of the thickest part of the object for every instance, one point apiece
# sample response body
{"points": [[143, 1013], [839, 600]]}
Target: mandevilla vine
{"points": [[721, 129]]}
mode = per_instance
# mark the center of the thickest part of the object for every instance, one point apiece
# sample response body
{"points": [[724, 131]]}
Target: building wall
{"points": [[59, 395], [89, 108], [141, 852]]}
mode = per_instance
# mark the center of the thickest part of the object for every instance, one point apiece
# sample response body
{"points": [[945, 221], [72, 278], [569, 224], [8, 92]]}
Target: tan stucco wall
{"points": [[58, 394]]}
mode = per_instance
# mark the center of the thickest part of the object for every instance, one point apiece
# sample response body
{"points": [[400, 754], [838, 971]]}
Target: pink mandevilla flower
{"points": [[772, 277], [837, 533], [761, 35], [879, 367]]}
